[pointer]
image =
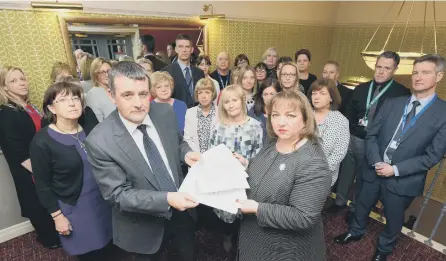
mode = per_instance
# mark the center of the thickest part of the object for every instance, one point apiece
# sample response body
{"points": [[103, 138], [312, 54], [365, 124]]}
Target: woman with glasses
{"points": [[161, 89], [268, 89], [260, 70], [204, 62], [64, 179], [97, 98], [289, 78], [19, 122]]}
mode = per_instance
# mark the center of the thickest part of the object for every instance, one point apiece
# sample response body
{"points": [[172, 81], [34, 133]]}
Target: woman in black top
{"points": [[19, 121], [64, 179], [268, 89], [303, 60]]}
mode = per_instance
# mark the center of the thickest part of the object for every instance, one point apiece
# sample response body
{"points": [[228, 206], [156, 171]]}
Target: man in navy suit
{"points": [[184, 74], [405, 140]]}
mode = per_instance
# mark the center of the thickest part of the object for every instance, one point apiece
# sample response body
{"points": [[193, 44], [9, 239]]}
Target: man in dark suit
{"points": [[135, 154], [406, 139], [331, 71], [171, 54], [366, 101], [184, 74], [148, 48]]}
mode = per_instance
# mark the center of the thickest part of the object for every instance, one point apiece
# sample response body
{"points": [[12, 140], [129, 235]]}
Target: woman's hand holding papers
{"points": [[242, 160], [248, 206]]}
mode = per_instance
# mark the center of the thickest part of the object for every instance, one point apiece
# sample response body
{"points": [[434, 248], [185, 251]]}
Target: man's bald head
{"points": [[223, 61]]}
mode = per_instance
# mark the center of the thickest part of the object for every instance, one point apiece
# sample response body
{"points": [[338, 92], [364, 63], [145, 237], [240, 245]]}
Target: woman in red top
{"points": [[20, 120]]}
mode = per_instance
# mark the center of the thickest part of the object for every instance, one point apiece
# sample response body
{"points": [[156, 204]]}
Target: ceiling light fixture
{"points": [[406, 58]]}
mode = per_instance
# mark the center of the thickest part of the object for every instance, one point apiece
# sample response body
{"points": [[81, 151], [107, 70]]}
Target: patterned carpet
{"points": [[25, 248]]}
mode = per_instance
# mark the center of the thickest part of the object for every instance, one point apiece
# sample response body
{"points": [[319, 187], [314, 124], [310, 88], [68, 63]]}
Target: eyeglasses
{"points": [[260, 71], [65, 100], [102, 73], [286, 75]]}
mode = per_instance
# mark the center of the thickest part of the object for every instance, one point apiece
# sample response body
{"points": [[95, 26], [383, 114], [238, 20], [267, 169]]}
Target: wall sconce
{"points": [[210, 7], [57, 5]]}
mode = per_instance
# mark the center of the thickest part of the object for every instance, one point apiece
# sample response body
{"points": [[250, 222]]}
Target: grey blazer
{"points": [[127, 182], [421, 147]]}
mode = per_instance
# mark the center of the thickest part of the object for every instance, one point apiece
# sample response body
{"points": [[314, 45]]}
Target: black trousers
{"points": [[394, 208], [180, 231], [103, 254], [351, 169]]}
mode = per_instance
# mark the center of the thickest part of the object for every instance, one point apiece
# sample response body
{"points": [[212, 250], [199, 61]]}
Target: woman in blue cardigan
{"points": [[161, 90]]}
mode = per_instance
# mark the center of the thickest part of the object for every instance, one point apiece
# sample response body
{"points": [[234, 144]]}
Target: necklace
{"points": [[75, 137]]}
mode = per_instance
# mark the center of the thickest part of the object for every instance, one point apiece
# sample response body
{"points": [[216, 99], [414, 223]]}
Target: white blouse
{"points": [[335, 135]]}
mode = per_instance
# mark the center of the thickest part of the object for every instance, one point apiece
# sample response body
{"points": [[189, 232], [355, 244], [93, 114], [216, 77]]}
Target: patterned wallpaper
{"points": [[253, 38], [32, 41]]}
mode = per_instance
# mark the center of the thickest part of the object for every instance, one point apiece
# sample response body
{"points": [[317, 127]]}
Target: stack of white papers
{"points": [[217, 180]]}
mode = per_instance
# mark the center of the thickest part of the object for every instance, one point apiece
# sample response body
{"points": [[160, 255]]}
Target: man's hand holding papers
{"points": [[217, 180]]}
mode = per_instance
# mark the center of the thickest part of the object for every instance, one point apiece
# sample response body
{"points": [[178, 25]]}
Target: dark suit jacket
{"points": [[346, 94], [127, 182], [16, 133], [181, 91], [356, 107], [157, 64], [421, 147]]}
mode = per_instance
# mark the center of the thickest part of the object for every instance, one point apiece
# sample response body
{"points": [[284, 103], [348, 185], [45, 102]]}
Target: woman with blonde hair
{"points": [[19, 122], [84, 68], [201, 118], [59, 70], [161, 89], [290, 181], [269, 57], [289, 78], [146, 64], [97, 98], [241, 134], [247, 79]]}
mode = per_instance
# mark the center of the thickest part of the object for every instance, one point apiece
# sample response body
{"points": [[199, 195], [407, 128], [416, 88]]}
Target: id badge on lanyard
{"points": [[364, 121]]}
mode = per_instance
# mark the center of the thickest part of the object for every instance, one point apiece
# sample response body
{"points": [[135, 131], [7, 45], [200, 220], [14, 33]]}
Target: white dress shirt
{"points": [[153, 134]]}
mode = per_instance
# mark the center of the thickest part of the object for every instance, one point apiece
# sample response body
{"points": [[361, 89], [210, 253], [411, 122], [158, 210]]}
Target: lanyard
{"points": [[414, 119], [369, 96], [35, 110], [221, 79]]}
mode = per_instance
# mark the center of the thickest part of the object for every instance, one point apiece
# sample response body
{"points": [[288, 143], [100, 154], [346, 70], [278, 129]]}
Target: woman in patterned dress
{"points": [[332, 125], [241, 134], [289, 180]]}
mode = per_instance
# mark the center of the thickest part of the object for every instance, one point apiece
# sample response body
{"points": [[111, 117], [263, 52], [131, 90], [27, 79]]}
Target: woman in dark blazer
{"points": [[289, 180], [64, 179], [19, 121]]}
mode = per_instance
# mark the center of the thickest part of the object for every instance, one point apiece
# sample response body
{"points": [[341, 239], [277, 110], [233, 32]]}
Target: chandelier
{"points": [[406, 58]]}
